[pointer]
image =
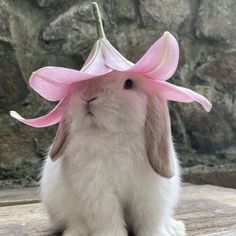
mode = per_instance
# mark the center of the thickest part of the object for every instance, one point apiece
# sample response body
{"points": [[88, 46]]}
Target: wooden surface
{"points": [[206, 210], [18, 196]]}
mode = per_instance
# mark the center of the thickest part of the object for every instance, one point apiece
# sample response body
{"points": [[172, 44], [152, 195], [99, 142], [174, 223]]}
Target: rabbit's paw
{"points": [[175, 228]]}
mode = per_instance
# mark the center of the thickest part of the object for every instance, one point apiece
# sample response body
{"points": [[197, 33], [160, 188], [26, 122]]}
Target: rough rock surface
{"points": [[60, 33], [216, 20], [164, 14]]}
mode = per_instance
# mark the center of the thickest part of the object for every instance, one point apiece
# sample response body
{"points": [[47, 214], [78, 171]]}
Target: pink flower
{"points": [[159, 64]]}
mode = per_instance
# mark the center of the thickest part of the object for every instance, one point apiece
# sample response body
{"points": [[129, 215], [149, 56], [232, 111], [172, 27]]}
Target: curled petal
{"points": [[104, 58], [95, 63], [113, 58], [161, 60], [52, 118], [53, 83], [179, 94], [47, 89]]}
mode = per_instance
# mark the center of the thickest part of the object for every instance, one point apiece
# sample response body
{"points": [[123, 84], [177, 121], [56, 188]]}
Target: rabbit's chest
{"points": [[108, 162]]}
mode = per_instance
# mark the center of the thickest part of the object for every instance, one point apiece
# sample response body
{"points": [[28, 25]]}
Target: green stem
{"points": [[100, 30]]}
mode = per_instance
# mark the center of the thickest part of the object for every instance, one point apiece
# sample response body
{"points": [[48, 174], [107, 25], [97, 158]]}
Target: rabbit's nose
{"points": [[91, 99]]}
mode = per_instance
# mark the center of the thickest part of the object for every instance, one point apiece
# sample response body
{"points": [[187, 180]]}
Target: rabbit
{"points": [[112, 165]]}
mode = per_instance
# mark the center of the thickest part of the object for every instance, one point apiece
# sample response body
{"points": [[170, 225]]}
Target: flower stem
{"points": [[100, 30]]}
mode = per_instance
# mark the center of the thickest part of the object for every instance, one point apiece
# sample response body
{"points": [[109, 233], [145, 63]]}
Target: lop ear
{"points": [[158, 139], [60, 140]]}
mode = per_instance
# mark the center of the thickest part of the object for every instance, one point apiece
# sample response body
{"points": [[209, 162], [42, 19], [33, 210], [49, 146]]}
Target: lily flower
{"points": [[158, 63]]}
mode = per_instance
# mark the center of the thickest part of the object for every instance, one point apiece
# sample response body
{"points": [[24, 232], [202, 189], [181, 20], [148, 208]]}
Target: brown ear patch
{"points": [[158, 137], [60, 140]]}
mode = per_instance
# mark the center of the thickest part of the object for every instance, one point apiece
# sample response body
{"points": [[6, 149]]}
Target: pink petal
{"points": [[95, 62], [53, 83], [161, 60], [113, 59], [179, 94], [52, 118]]}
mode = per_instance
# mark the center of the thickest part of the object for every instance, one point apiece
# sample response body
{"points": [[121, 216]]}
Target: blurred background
{"points": [[37, 33]]}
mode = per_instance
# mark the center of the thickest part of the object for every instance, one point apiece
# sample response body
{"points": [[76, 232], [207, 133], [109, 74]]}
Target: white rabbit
{"points": [[112, 165]]}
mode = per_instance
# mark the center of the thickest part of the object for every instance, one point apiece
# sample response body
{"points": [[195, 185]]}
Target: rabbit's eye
{"points": [[128, 84]]}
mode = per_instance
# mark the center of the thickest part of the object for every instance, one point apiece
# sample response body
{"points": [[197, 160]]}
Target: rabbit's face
{"points": [[115, 102]]}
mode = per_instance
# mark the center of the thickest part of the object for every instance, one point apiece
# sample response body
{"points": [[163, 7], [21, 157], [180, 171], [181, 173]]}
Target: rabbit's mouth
{"points": [[90, 120], [89, 113]]}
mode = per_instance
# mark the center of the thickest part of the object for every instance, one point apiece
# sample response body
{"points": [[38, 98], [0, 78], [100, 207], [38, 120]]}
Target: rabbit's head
{"points": [[115, 103], [119, 102]]}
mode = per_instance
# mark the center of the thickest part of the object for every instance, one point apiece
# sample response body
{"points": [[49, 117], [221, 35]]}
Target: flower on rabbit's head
{"points": [[158, 63]]}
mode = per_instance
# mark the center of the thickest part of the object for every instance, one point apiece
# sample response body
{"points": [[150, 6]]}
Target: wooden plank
{"points": [[203, 217], [220, 194], [220, 175], [27, 219], [16, 196], [206, 210]]}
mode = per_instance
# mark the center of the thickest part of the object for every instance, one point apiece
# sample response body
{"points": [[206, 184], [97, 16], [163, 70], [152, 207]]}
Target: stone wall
{"points": [[36, 33]]}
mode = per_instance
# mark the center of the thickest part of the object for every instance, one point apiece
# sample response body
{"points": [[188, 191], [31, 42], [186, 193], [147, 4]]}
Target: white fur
{"points": [[103, 182]]}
